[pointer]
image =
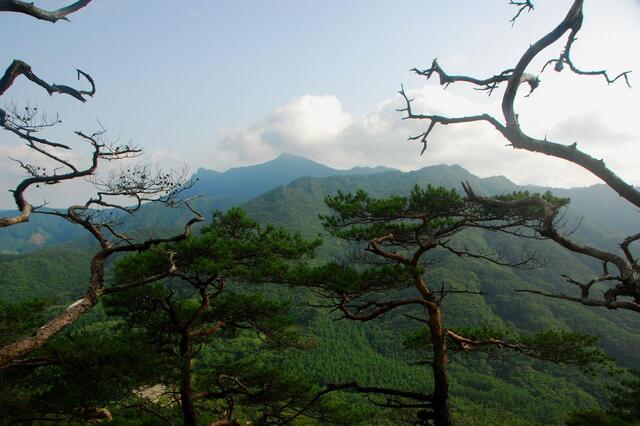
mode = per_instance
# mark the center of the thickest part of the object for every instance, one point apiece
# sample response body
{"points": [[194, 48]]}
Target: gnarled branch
{"points": [[18, 68], [511, 130], [32, 10]]}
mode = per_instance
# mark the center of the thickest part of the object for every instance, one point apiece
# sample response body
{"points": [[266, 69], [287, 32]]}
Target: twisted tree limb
{"points": [[34, 11], [624, 286], [18, 68], [510, 128], [21, 126]]}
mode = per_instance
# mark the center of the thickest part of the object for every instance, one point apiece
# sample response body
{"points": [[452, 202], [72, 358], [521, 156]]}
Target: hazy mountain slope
{"points": [[610, 216], [247, 182], [214, 190], [307, 195], [59, 273]]}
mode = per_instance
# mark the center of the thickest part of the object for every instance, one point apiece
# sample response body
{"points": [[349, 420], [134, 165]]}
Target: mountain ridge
{"points": [[597, 203], [246, 182]]}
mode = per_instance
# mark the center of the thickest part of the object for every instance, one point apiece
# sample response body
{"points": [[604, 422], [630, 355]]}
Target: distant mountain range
{"points": [[244, 183], [598, 204]]}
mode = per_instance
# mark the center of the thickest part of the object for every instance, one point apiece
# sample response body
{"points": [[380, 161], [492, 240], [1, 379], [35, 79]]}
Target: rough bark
{"points": [[441, 402], [186, 386]]}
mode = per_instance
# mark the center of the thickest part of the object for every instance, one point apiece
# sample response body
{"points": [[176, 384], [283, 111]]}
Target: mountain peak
{"points": [[288, 156], [246, 182]]}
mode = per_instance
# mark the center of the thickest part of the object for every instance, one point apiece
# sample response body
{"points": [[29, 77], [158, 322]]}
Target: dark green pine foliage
{"points": [[222, 342], [198, 345], [77, 377], [20, 318], [396, 240]]}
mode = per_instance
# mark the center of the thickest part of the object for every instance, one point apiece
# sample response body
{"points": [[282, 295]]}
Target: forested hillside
{"points": [[511, 387], [312, 271]]}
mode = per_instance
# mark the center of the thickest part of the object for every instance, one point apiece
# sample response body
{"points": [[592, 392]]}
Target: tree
{"points": [[122, 191], [222, 341], [624, 283], [401, 236]]}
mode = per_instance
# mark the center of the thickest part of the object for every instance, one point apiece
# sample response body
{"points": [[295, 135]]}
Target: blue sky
{"points": [[219, 84]]}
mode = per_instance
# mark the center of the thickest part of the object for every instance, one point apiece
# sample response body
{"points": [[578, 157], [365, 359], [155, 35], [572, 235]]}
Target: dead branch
{"points": [[511, 129], [102, 150], [613, 304], [32, 10], [470, 344], [488, 84], [439, 119], [523, 6], [371, 310], [528, 262], [18, 68]]}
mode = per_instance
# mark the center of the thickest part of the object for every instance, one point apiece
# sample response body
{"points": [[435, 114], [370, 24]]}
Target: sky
{"points": [[219, 84]]}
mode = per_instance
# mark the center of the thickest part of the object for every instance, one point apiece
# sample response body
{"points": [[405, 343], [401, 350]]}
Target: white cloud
{"points": [[318, 128], [163, 156], [302, 126], [305, 121]]}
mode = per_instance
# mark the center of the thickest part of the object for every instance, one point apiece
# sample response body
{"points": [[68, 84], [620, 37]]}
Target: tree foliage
{"points": [[398, 235]]}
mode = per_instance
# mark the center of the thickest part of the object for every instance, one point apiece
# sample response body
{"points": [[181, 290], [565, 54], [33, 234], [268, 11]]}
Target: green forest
{"points": [[293, 293]]}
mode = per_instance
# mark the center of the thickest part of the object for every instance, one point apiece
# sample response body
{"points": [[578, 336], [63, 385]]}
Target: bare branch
{"points": [[30, 9], [625, 247], [469, 344], [631, 306], [371, 310], [565, 58], [487, 84], [528, 262], [18, 68], [24, 127], [511, 129], [586, 287], [523, 6], [439, 119]]}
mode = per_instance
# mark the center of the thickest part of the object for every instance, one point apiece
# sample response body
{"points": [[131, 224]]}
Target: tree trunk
{"points": [[186, 389], [441, 403]]}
